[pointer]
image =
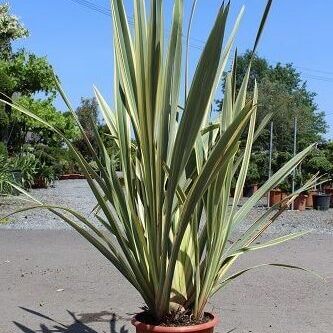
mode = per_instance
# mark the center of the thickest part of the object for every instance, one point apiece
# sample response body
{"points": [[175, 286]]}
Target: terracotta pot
{"points": [[284, 195], [201, 328], [275, 196], [72, 176], [39, 182], [299, 203], [309, 199]]}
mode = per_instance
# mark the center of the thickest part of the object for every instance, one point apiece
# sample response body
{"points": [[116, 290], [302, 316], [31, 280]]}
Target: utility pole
{"points": [[295, 151], [270, 161]]}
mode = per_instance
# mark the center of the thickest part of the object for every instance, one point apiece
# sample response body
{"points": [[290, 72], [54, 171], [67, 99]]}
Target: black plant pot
{"points": [[321, 201], [249, 190]]}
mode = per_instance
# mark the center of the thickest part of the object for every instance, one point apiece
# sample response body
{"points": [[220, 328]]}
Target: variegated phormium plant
{"points": [[166, 229]]}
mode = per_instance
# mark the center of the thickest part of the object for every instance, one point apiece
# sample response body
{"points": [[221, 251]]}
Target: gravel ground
{"points": [[74, 194], [77, 195]]}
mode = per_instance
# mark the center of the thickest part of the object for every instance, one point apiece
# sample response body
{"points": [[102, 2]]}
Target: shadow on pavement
{"points": [[79, 325]]}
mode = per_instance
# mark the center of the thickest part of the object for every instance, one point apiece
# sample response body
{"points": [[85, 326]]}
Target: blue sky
{"points": [[78, 40]]}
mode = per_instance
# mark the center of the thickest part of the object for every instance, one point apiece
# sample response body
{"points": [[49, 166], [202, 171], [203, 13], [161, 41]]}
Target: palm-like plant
{"points": [[166, 229]]}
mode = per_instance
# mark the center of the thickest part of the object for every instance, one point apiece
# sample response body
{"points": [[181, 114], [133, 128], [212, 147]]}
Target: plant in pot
{"points": [[50, 156], [286, 187], [318, 161], [6, 176], [252, 179], [309, 195], [309, 199], [275, 196], [321, 201], [167, 228], [6, 173], [300, 201], [25, 166], [42, 162], [44, 177], [279, 193]]}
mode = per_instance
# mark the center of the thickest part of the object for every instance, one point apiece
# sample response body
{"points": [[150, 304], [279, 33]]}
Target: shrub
{"points": [[26, 163], [5, 176], [3, 150], [253, 175]]}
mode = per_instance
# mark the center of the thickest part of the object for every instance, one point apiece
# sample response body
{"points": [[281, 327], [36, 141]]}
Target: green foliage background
{"points": [[23, 74], [282, 91]]}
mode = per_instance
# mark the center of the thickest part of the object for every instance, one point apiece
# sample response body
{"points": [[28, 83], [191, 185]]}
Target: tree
{"points": [[21, 72], [329, 150], [38, 133], [10, 29], [320, 160], [87, 113], [281, 91]]}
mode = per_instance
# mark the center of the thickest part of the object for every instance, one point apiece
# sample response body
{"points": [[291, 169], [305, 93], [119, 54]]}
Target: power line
{"points": [[98, 8], [319, 78], [308, 69], [92, 6], [314, 70], [105, 11]]}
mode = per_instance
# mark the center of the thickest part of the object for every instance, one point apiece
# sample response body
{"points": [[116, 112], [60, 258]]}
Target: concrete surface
{"points": [[53, 281]]}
